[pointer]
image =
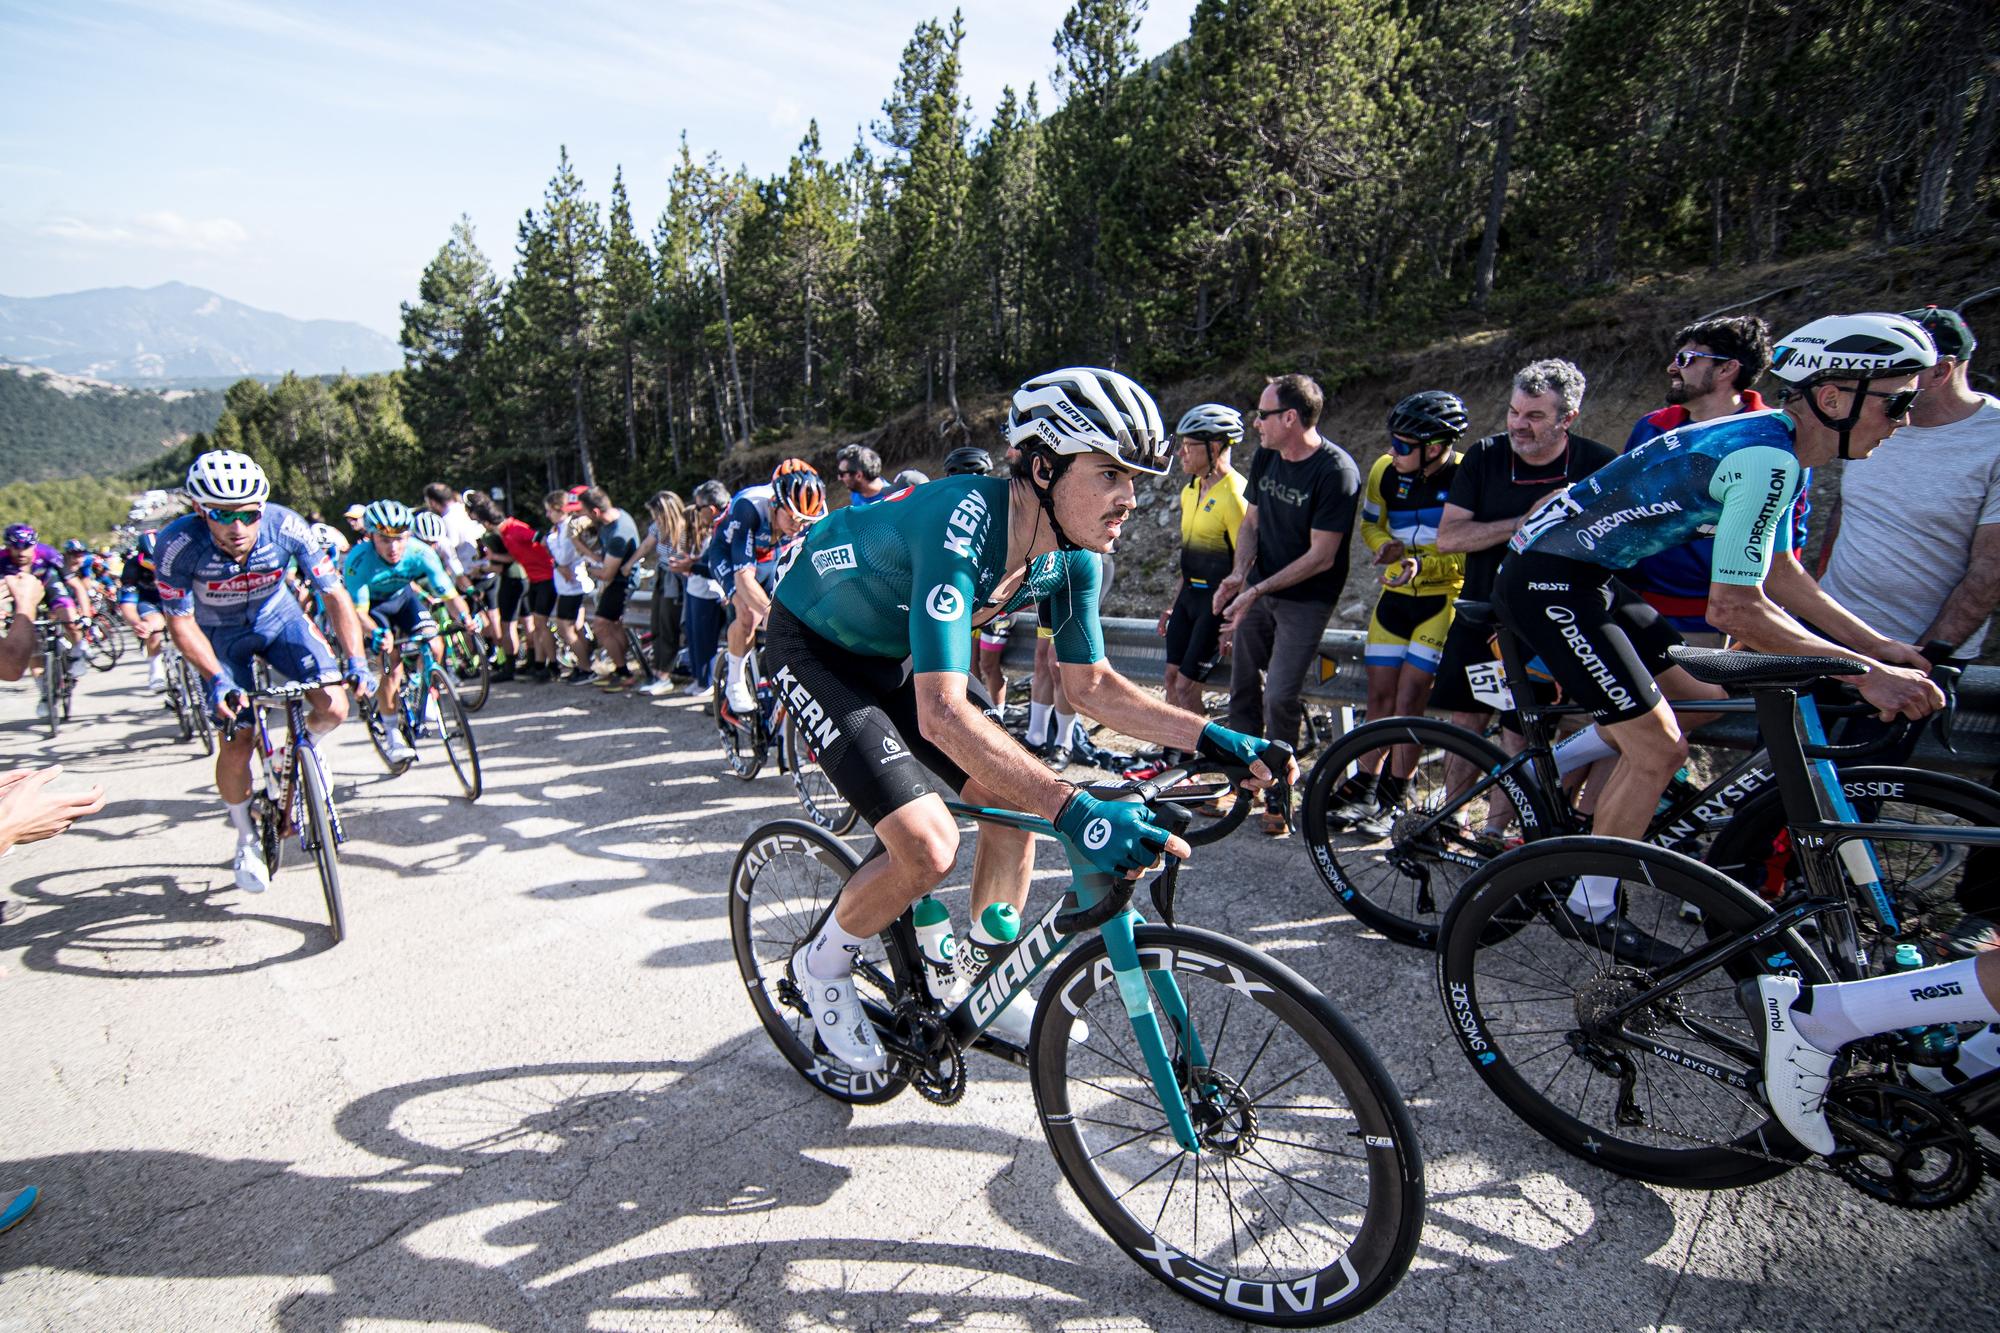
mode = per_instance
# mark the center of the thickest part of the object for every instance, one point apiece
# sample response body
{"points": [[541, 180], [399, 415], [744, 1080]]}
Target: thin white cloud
{"points": [[163, 230]]}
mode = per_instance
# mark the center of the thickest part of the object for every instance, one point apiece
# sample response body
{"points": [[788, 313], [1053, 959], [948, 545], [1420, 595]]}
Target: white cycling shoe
{"points": [[838, 1018], [396, 749], [252, 875], [1795, 1071], [741, 702], [156, 676], [1011, 1024]]}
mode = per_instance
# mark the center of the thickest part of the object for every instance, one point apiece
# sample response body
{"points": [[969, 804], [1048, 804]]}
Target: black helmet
{"points": [[1430, 417], [967, 460]]}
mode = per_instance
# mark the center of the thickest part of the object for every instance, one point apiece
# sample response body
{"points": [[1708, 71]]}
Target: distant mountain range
{"points": [[177, 334]]}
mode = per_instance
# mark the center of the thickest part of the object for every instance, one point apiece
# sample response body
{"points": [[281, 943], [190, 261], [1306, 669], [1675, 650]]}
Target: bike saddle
{"points": [[1736, 670], [1473, 611]]}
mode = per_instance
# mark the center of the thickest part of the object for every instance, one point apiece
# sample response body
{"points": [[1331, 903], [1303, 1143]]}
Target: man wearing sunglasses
{"points": [[859, 468], [1848, 382], [1715, 362], [221, 576]]}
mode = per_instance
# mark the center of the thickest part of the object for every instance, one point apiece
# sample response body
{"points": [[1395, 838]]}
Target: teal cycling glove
{"points": [[1219, 743], [1117, 837]]}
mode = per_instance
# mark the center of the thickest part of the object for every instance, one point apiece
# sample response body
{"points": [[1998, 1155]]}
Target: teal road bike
{"points": [[1212, 1110]]}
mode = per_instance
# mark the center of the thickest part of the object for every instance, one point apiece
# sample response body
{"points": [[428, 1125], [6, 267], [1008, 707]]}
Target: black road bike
{"points": [[1652, 1067], [1468, 800]]}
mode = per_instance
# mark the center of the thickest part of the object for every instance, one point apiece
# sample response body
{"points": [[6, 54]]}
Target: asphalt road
{"points": [[528, 1093]]}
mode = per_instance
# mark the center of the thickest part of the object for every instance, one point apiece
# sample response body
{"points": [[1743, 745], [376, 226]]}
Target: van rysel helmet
{"points": [[1858, 348]]}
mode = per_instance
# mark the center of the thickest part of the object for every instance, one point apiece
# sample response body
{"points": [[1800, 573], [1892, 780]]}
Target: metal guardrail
{"points": [[1137, 651]]}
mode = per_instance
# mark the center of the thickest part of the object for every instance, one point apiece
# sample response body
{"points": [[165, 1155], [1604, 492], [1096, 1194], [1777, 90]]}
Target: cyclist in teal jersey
{"points": [[390, 576], [906, 581], [1736, 478]]}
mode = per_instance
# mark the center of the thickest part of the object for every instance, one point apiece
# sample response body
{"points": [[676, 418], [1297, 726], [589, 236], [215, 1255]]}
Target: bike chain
{"points": [[1842, 1169], [939, 1074]]}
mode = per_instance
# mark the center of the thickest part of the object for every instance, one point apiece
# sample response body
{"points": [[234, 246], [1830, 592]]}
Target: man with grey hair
{"points": [[1501, 478], [859, 468]]}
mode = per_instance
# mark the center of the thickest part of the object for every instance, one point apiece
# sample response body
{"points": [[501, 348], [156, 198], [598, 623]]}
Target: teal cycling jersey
{"points": [[907, 577], [1734, 478], [369, 578]]}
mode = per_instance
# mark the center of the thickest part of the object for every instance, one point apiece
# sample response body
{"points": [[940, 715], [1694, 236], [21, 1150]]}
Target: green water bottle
{"points": [[933, 922], [999, 924]]}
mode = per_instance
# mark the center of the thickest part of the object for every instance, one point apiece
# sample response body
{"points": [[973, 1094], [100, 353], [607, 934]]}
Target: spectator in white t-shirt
{"points": [[572, 582], [1916, 540]]}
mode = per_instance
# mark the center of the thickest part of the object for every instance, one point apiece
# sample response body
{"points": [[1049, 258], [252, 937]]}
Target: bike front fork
{"points": [[1138, 986]]}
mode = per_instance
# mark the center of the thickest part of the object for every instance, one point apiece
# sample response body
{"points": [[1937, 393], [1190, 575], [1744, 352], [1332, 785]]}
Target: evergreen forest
{"points": [[1292, 176]]}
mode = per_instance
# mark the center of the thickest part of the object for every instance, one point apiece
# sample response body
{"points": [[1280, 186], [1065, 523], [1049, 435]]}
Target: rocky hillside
{"points": [[54, 425], [1619, 339]]}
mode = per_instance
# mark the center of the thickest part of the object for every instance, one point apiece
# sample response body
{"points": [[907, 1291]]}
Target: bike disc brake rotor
{"points": [[1225, 1118], [1902, 1146]]}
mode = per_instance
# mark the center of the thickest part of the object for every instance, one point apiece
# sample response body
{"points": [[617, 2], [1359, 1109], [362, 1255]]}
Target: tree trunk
{"points": [[808, 366], [1718, 184], [582, 432], [1978, 151], [1935, 182], [721, 412], [930, 384], [672, 412], [1503, 162], [729, 341], [951, 378], [631, 410]]}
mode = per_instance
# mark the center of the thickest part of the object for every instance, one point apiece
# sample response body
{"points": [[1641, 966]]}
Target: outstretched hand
{"points": [[30, 812]]}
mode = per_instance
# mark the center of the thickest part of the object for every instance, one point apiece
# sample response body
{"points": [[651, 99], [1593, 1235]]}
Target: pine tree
{"points": [[448, 339]]}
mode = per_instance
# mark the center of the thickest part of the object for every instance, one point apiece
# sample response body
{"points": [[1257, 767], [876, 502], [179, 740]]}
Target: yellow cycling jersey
{"points": [[1208, 527], [1407, 507]]}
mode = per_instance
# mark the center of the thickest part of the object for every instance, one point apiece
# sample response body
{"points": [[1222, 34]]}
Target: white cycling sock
{"points": [[320, 730], [1595, 898], [1586, 747], [735, 676], [1830, 1016], [1038, 723], [832, 952], [1066, 729], [239, 815]]}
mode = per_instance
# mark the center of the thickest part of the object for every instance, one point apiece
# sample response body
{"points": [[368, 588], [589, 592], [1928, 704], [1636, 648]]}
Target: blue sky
{"points": [[310, 158]]}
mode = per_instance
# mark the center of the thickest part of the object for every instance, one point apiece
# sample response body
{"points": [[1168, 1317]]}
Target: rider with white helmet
{"points": [[1849, 381], [907, 580], [221, 577]]}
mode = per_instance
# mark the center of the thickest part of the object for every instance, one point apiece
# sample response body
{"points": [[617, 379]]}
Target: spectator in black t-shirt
{"points": [[1501, 478], [1291, 564]]}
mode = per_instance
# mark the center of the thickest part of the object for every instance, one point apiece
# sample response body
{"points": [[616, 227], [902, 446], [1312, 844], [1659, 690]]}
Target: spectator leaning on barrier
{"points": [[529, 600], [1916, 538], [1715, 362], [1499, 480], [618, 537], [1291, 564], [859, 468]]}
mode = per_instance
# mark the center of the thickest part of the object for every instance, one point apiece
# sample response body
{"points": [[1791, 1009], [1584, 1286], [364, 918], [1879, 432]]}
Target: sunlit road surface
{"points": [[528, 1092]]}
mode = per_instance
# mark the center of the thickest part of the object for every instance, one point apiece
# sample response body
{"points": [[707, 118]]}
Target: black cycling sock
{"points": [[1360, 787], [1389, 790]]}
